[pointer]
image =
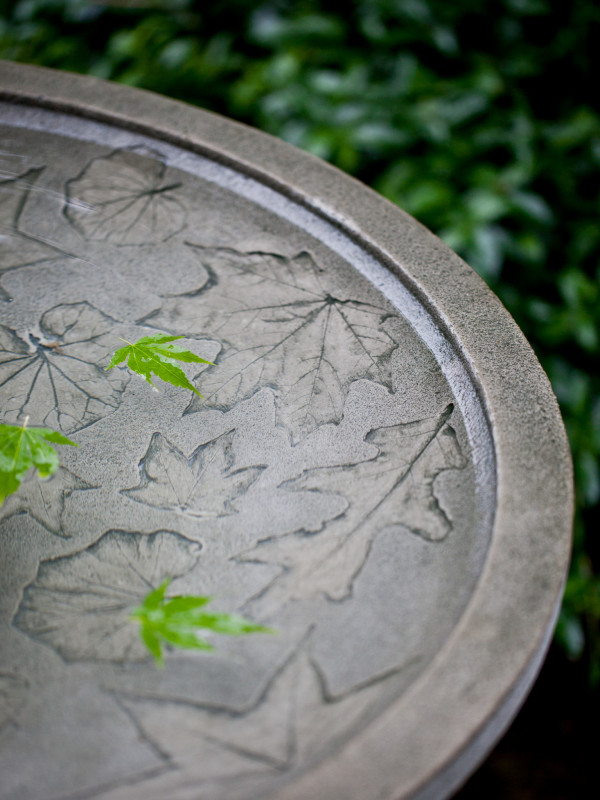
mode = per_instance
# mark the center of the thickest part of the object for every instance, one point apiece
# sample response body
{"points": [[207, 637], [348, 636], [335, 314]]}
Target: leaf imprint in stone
{"points": [[44, 500], [282, 327], [123, 198], [18, 249], [13, 690], [57, 379], [206, 484], [396, 488], [79, 605]]}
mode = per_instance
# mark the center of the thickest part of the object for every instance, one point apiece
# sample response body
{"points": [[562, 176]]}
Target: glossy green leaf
{"points": [[187, 640], [21, 448], [179, 621], [155, 598], [184, 605], [150, 639], [153, 355], [230, 624]]}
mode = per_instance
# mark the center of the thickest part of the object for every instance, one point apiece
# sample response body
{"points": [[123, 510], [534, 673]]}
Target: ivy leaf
{"points": [[21, 448], [177, 620], [153, 355]]}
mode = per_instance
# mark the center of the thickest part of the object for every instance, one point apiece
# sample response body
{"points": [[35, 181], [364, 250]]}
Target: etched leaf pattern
{"points": [[237, 472], [80, 604], [19, 249], [206, 484], [349, 481], [13, 691], [45, 500], [122, 198], [280, 326], [396, 487], [57, 379], [295, 719]]}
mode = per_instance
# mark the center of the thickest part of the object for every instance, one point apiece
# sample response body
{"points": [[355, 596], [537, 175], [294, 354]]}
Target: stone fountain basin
{"points": [[378, 468]]}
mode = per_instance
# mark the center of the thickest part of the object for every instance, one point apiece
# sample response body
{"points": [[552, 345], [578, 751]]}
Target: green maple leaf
{"points": [[152, 355], [21, 448], [177, 620]]}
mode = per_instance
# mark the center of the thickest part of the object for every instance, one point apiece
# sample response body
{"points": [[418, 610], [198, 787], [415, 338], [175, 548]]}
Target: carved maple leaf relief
{"points": [[122, 198], [281, 327], [19, 249], [56, 377], [80, 604], [228, 477], [206, 484]]}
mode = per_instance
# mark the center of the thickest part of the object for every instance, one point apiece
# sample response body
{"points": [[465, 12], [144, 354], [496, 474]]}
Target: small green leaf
{"points": [[21, 448], [184, 639], [152, 642], [156, 338], [44, 457], [9, 483], [155, 598], [118, 357], [178, 621], [54, 436], [183, 605], [153, 355], [230, 624]]}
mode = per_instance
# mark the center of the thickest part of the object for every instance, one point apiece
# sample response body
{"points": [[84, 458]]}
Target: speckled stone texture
{"points": [[377, 470]]}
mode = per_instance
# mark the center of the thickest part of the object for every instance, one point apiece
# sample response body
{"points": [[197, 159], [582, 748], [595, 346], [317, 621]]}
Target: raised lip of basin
{"points": [[430, 739]]}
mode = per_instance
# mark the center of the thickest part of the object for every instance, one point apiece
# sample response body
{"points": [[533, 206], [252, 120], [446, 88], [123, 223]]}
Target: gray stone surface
{"points": [[377, 469]]}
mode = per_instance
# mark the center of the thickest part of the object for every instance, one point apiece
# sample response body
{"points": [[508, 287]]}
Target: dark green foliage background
{"points": [[480, 119]]}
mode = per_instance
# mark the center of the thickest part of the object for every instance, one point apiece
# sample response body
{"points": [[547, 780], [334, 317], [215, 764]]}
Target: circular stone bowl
{"points": [[378, 469]]}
